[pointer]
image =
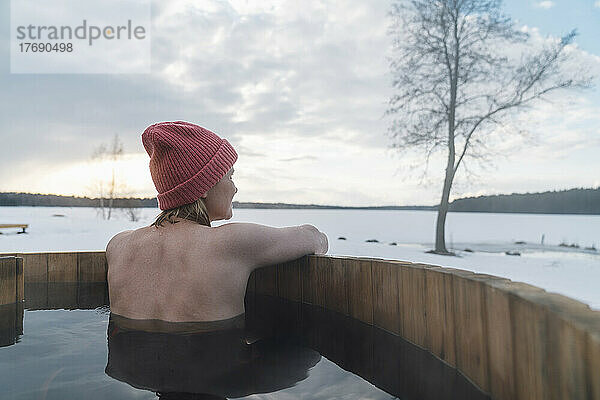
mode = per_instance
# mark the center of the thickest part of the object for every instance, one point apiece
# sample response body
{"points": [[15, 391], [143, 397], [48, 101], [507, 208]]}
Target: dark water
{"points": [[66, 344]]}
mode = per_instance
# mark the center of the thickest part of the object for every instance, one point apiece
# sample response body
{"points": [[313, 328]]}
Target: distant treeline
{"points": [[53, 200], [573, 201]]}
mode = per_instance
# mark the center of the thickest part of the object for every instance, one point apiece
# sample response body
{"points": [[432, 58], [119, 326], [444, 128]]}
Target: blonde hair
{"points": [[195, 211]]}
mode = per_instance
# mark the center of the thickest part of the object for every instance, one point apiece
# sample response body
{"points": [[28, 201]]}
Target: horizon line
{"points": [[319, 205]]}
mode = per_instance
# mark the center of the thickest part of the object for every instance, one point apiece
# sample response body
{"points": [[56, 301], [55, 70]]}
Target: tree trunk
{"points": [[102, 205], [111, 194], [110, 206], [440, 230]]}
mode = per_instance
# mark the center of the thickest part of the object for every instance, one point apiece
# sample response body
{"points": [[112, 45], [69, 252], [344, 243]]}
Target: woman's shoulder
{"points": [[116, 240]]}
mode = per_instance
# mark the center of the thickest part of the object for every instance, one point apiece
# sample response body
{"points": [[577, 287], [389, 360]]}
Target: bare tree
{"points": [[108, 190], [456, 79], [132, 213]]}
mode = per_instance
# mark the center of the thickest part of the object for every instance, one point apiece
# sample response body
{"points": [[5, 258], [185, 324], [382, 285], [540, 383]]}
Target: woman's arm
{"points": [[255, 245]]}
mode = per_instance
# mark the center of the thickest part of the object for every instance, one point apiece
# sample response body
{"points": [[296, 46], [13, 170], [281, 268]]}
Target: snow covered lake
{"points": [[574, 272]]}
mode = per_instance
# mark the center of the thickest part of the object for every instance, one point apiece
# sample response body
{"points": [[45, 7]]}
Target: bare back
{"points": [[190, 272], [174, 273]]}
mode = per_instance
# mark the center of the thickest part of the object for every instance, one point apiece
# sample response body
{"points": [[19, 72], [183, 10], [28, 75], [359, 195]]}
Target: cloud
{"points": [[597, 4], [303, 70], [545, 4]]}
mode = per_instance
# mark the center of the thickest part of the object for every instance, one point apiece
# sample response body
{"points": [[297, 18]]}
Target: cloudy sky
{"points": [[300, 89]]}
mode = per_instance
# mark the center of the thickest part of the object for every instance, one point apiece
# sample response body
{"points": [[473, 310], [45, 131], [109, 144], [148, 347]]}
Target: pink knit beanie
{"points": [[186, 160]]}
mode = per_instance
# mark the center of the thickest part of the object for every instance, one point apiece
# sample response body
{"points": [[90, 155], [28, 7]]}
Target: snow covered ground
{"points": [[569, 271]]}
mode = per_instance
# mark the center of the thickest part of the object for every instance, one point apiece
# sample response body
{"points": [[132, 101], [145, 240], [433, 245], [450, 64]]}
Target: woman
{"points": [[181, 269]]}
